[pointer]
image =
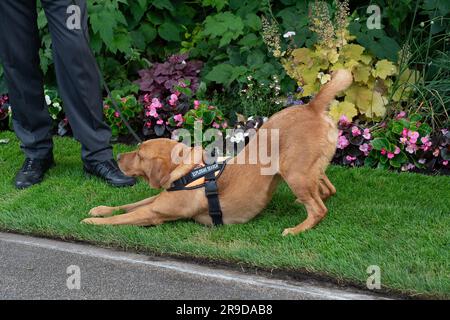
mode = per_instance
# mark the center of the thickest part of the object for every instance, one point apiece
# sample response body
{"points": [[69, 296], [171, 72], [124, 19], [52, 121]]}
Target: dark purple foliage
{"points": [[161, 78]]}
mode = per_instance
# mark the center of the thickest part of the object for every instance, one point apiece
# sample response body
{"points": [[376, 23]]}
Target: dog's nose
{"points": [[118, 157]]}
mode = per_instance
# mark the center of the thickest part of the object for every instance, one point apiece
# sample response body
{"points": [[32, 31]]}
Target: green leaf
{"points": [[104, 23], [253, 21], [163, 4], [170, 31], [121, 42], [221, 73], [208, 117], [225, 25], [380, 143]]}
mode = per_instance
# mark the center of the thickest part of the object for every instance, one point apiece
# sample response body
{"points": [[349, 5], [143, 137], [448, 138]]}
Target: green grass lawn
{"points": [[400, 222]]}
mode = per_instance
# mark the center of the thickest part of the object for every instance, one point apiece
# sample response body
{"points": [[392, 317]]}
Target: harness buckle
{"points": [[211, 188]]}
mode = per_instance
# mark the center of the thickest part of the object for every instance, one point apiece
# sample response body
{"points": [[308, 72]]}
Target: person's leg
{"points": [[78, 80], [19, 53]]}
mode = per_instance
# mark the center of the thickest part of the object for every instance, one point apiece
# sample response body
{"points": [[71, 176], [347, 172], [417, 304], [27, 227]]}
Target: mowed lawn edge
{"points": [[399, 222]]}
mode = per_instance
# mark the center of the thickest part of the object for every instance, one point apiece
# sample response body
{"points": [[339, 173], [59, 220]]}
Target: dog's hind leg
{"points": [[104, 211], [306, 188], [326, 187]]}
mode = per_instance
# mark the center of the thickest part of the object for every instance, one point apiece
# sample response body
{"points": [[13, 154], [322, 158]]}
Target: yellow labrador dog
{"points": [[307, 141]]}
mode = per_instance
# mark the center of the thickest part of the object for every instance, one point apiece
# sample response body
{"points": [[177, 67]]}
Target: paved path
{"points": [[34, 268]]}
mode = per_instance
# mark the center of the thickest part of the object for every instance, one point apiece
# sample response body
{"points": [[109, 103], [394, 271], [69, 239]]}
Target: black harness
{"points": [[210, 185]]}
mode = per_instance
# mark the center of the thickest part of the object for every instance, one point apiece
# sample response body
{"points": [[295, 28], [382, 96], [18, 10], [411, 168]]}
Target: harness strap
{"points": [[212, 194]]}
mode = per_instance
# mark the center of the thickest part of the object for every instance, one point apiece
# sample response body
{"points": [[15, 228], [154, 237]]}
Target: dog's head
{"points": [[160, 161]]}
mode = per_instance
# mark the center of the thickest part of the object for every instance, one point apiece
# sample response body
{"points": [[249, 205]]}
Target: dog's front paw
{"points": [[101, 211], [289, 231], [89, 221]]}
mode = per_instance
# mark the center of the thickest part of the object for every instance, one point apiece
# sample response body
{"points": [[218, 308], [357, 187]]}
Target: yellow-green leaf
{"points": [[384, 69], [353, 51], [361, 73], [338, 109]]}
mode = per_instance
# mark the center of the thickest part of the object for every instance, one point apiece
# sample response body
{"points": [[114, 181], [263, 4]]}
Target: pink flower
{"points": [[390, 155], [426, 143], [436, 152], [445, 162], [153, 113], [413, 136], [411, 148], [106, 107], [422, 161], [216, 125], [147, 98], [179, 119], [224, 125], [340, 133], [156, 104], [401, 115], [405, 132], [403, 140], [343, 121], [383, 151], [182, 84], [366, 134], [148, 124], [173, 100], [196, 104], [397, 150], [350, 158], [116, 114], [355, 131], [365, 148], [160, 121], [342, 142]]}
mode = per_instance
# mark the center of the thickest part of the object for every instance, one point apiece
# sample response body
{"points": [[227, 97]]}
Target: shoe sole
{"points": [[118, 185]]}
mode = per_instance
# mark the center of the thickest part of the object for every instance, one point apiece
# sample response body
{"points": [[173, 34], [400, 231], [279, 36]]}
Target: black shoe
{"points": [[32, 172], [110, 172]]}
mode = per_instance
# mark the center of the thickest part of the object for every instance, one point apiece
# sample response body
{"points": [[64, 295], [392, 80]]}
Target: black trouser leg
{"points": [[19, 53], [78, 81]]}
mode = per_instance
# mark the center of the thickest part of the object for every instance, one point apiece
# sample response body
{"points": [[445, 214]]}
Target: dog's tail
{"points": [[340, 80]]}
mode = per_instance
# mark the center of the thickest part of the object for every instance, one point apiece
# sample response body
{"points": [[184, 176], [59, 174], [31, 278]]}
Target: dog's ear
{"points": [[157, 172], [191, 159]]}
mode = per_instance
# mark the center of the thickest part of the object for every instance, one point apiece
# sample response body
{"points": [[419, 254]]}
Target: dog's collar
{"points": [[205, 176]]}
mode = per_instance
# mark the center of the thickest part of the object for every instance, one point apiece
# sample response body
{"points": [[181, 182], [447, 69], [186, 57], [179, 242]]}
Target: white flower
{"points": [[289, 34], [56, 105], [48, 100], [238, 137]]}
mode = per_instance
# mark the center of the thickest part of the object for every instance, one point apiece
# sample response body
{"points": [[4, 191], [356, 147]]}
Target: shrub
{"points": [[199, 119], [163, 115], [159, 80], [131, 110], [311, 68], [354, 143], [4, 107], [405, 143]]}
